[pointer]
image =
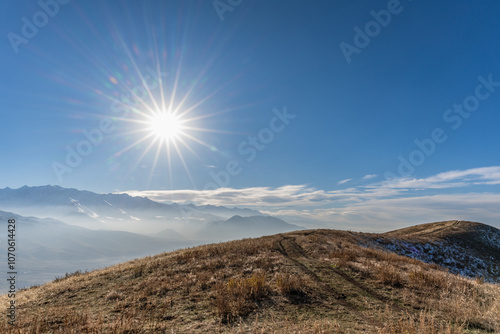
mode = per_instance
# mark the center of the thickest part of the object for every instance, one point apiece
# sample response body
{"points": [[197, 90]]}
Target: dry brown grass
{"points": [[288, 284], [389, 276], [237, 297], [423, 323]]}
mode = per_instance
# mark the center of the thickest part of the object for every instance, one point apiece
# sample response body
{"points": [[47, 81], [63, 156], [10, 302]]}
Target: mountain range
{"points": [[62, 230], [110, 211]]}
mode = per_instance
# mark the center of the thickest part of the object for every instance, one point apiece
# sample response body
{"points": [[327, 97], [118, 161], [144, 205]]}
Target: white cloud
{"points": [[451, 179], [369, 176], [380, 215], [291, 195], [344, 181], [378, 206]]}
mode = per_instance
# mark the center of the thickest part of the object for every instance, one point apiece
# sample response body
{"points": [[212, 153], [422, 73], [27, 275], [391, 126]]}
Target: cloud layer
{"points": [[470, 194]]}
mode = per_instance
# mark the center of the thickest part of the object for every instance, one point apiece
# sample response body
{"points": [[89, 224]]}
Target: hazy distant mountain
{"points": [[48, 247], [55, 240], [111, 211], [238, 227], [168, 234]]}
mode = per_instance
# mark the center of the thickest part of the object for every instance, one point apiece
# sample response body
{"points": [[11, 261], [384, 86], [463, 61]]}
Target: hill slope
{"points": [[466, 248], [314, 281]]}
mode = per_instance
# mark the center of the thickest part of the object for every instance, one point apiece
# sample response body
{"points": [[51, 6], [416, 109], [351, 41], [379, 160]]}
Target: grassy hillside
{"points": [[314, 281]]}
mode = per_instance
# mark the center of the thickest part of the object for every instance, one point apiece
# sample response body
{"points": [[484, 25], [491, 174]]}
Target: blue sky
{"points": [[351, 118]]}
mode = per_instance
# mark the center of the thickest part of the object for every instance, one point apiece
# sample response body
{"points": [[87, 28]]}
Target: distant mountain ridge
{"points": [[238, 227], [56, 195], [110, 211]]}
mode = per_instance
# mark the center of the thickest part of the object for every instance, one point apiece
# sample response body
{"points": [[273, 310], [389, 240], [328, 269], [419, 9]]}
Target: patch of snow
{"points": [[454, 257], [83, 209]]}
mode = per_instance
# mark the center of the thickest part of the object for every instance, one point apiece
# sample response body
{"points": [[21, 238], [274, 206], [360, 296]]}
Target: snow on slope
{"points": [[468, 249]]}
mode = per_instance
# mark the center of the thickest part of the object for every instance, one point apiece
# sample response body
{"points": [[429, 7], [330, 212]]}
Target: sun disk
{"points": [[165, 126]]}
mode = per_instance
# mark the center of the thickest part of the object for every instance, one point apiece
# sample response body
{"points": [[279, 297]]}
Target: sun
{"points": [[165, 126], [166, 129]]}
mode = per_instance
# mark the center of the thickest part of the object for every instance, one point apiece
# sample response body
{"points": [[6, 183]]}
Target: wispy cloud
{"points": [[369, 176], [291, 195], [450, 179], [377, 206], [344, 181], [388, 214]]}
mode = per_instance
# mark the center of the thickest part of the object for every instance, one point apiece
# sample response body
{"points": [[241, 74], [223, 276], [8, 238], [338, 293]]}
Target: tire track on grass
{"points": [[289, 250]]}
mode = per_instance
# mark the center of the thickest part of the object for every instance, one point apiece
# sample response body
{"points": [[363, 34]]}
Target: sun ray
{"points": [[176, 83], [198, 141], [206, 98], [134, 166], [169, 163], [190, 149], [186, 168], [133, 144], [155, 161]]}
